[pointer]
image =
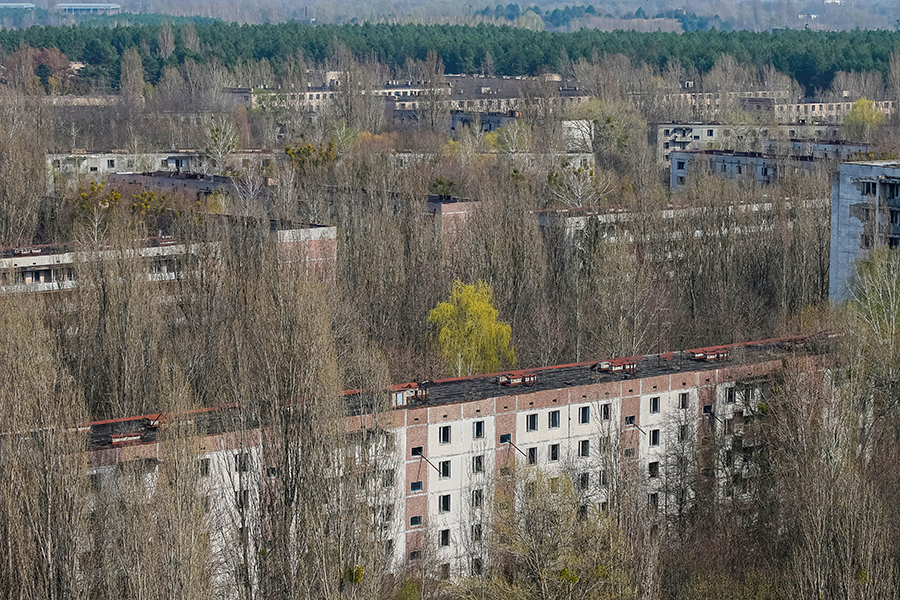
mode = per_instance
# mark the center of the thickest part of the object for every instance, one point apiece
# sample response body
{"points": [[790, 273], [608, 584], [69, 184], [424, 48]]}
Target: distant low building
{"points": [[74, 8]]}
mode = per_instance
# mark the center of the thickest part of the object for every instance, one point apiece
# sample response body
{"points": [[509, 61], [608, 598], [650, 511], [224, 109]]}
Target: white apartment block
{"points": [[450, 441], [672, 137]]}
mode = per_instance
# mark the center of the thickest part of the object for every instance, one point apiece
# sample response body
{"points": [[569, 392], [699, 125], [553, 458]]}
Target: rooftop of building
{"points": [[721, 124], [145, 428], [88, 6], [883, 164], [161, 241], [735, 154], [185, 151]]}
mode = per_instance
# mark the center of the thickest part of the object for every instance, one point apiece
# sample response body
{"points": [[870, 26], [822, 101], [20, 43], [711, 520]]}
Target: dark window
{"points": [[444, 537], [478, 463], [682, 433], [445, 469], [478, 432], [654, 437], [602, 477], [683, 400], [477, 498], [531, 422], [242, 499], [444, 503], [584, 414], [707, 409], [729, 395], [415, 521], [532, 456], [584, 448], [417, 451], [477, 567], [415, 555], [653, 469], [553, 419], [204, 467], [630, 420], [505, 438], [584, 480], [653, 501], [111, 164], [709, 133], [554, 452], [654, 404], [476, 532], [242, 462], [629, 452], [444, 434], [679, 165], [415, 486], [604, 412]]}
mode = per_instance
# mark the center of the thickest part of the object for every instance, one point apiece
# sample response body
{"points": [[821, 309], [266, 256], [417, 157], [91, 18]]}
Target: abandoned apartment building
{"points": [[449, 440]]}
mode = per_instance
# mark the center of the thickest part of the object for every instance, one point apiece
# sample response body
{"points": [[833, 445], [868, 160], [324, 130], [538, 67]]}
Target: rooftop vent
{"points": [[517, 378], [709, 354], [626, 365]]}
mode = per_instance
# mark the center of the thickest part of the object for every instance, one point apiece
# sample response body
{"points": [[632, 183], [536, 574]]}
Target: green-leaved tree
{"points": [[863, 121], [469, 336]]}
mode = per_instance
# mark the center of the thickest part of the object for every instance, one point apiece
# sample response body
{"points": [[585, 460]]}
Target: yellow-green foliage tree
{"points": [[469, 336], [863, 121]]}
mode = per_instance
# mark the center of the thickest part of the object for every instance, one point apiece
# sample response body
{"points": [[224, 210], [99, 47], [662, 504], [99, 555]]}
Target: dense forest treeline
{"points": [[811, 58], [796, 503]]}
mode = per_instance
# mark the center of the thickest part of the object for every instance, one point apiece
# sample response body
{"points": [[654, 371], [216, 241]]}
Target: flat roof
{"points": [[87, 5], [212, 421]]}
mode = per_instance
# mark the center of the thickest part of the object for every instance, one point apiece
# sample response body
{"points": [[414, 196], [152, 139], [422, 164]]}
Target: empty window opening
{"points": [[584, 448], [584, 414], [553, 419]]}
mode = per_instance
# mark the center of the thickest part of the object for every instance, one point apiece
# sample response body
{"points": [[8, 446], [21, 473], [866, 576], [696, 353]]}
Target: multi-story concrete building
{"points": [[824, 112], [670, 137], [865, 214], [51, 268], [825, 149], [63, 167], [753, 166], [494, 99], [452, 440]]}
